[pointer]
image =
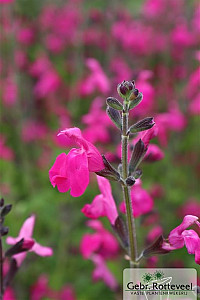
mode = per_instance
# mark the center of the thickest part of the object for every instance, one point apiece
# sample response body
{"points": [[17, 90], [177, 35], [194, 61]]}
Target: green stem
{"points": [[126, 191]]}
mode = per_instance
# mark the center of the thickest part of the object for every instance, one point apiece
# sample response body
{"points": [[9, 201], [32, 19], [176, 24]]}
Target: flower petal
{"points": [[78, 170], [41, 250], [58, 173], [176, 238], [26, 230], [191, 239]]}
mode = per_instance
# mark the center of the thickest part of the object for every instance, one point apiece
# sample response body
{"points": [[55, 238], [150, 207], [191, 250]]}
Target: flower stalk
{"points": [[133, 253]]}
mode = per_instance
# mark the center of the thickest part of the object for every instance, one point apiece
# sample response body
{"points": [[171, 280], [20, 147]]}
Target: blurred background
{"points": [[59, 62]]}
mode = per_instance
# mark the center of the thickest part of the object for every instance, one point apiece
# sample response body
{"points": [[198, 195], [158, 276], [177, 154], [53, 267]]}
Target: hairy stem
{"points": [[126, 191]]}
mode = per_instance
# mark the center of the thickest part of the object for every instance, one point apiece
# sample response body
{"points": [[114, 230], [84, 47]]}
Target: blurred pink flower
{"points": [[48, 83], [6, 1], [148, 91], [142, 202], [71, 171], [191, 207], [21, 59], [41, 290], [6, 153], [101, 242], [154, 153], [33, 130], [194, 106], [182, 36], [173, 120], [54, 43], [9, 91], [179, 237], [97, 123], [101, 272], [25, 36], [39, 66], [26, 233], [97, 80], [154, 233], [153, 8], [148, 135], [103, 205], [192, 87], [9, 294], [121, 69], [67, 293]]}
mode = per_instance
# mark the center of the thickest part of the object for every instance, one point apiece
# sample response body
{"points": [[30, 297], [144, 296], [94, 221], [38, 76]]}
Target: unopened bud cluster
{"points": [[127, 90]]}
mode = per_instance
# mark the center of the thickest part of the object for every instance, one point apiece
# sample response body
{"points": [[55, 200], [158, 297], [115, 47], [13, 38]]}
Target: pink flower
{"points": [[103, 205], [176, 238], [25, 36], [101, 242], [33, 130], [6, 1], [9, 294], [148, 92], [101, 272], [40, 289], [173, 120], [142, 202], [97, 123], [191, 207], [9, 91], [148, 135], [5, 152], [194, 106], [154, 153], [179, 237], [154, 233], [67, 293], [26, 233], [48, 83], [71, 171], [97, 80]]}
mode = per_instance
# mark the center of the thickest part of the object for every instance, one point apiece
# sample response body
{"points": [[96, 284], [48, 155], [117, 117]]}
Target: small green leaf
{"points": [[114, 103], [115, 116]]}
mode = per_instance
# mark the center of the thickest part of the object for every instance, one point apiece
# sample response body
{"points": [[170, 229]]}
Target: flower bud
{"points": [[1, 202], [156, 248], [135, 100], [5, 210], [125, 89], [4, 230], [130, 181], [21, 246], [142, 125]]}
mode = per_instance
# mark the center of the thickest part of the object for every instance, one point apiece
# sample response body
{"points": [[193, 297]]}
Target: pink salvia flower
{"points": [[101, 242], [176, 237], [9, 294], [101, 272], [180, 237], [142, 202], [71, 171], [103, 205], [26, 233], [97, 80]]}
